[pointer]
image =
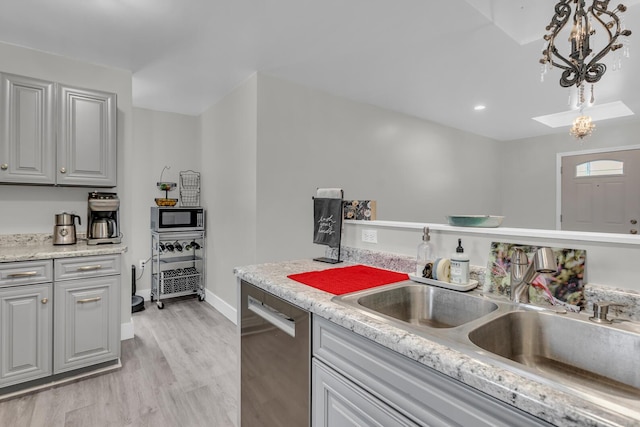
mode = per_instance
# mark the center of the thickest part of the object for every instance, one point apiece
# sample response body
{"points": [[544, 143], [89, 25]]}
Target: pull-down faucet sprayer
{"points": [[523, 273]]}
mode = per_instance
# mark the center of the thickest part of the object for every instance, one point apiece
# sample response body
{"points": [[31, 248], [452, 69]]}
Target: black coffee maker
{"points": [[103, 225]]}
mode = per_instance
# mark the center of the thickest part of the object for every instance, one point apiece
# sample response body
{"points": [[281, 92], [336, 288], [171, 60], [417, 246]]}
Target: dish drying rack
{"points": [[189, 188]]}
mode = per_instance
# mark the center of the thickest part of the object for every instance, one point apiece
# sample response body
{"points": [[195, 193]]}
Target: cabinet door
{"points": [[27, 130], [86, 322], [338, 402], [25, 333], [86, 137]]}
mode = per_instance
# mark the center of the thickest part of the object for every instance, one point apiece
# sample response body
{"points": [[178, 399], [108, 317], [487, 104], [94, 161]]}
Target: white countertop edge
{"points": [[583, 236], [38, 252]]}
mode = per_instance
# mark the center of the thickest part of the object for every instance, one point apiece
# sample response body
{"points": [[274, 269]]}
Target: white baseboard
{"points": [[126, 331], [222, 306]]}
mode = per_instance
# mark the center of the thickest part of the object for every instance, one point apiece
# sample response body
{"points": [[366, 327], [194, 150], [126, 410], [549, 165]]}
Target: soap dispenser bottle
{"points": [[424, 260], [459, 266]]}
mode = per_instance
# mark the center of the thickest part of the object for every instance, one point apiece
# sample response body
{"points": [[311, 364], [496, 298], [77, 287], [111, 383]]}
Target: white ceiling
{"points": [[431, 59]]}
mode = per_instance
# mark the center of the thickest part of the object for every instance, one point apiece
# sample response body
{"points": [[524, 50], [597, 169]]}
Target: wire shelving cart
{"points": [[178, 265]]}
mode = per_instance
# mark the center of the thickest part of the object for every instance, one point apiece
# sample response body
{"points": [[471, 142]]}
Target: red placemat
{"points": [[343, 280]]}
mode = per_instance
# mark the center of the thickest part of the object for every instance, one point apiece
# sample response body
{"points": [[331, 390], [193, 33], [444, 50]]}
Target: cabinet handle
{"points": [[63, 170], [4, 166], [86, 300], [89, 267], [45, 300], [23, 274]]}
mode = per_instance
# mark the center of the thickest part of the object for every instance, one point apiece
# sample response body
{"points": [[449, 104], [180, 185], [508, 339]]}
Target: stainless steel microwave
{"points": [[176, 219]]}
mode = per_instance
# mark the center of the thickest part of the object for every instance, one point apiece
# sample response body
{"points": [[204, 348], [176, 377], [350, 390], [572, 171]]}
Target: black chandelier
{"points": [[582, 64]]}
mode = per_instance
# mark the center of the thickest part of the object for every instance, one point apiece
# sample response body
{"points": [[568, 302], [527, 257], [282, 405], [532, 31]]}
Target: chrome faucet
{"points": [[523, 273]]}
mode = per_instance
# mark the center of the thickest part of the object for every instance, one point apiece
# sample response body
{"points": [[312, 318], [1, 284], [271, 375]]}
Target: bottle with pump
{"points": [[426, 251], [460, 266]]}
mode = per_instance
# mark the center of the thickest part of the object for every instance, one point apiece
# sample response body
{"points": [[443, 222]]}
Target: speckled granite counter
{"points": [[546, 401], [25, 247]]}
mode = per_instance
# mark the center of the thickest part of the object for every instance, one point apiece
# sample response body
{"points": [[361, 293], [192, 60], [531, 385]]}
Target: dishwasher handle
{"points": [[273, 316]]}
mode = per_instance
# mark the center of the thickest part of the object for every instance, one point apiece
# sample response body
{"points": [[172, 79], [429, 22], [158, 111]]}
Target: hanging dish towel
{"points": [[344, 280], [327, 217]]}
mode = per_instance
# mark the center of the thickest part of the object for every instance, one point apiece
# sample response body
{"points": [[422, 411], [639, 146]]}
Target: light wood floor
{"points": [[179, 370]]}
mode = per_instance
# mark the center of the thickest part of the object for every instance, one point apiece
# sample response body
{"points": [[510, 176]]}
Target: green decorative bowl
{"points": [[488, 221]]}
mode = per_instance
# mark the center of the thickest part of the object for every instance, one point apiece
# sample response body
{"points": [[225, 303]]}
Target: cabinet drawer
{"points": [[90, 266], [26, 272]]}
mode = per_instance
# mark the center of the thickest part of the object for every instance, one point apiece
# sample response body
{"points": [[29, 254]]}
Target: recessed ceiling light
{"points": [[479, 107]]}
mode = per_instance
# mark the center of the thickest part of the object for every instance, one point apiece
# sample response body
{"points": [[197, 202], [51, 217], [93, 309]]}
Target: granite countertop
{"points": [[547, 401], [34, 246]]}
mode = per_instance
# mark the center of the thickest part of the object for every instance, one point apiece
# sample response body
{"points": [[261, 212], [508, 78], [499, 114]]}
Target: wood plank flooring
{"points": [[181, 369]]}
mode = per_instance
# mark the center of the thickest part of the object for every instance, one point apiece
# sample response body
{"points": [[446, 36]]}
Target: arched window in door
{"points": [[600, 168]]}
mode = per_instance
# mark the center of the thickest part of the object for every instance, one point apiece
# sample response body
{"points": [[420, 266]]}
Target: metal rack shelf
{"points": [[177, 273]]}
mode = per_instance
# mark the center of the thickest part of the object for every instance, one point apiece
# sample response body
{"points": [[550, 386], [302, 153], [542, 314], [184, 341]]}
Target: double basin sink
{"points": [[595, 360]]}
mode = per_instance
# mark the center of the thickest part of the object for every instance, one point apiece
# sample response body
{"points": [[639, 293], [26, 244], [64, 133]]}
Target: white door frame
{"points": [[559, 157]]}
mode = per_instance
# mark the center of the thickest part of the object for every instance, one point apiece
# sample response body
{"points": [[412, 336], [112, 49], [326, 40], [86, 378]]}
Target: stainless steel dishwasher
{"points": [[274, 361]]}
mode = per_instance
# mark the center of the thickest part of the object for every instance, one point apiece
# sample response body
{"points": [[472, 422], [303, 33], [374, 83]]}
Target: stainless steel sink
{"points": [[566, 349], [598, 362], [420, 305]]}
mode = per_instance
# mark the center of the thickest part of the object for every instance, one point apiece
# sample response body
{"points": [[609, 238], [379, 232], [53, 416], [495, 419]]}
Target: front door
{"points": [[601, 192]]}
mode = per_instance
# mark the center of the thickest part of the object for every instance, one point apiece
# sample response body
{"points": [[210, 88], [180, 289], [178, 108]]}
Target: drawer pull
{"points": [[45, 300], [23, 274], [86, 300], [89, 267]]}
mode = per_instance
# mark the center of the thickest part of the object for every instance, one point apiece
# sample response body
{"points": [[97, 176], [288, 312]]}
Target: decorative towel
{"points": [[344, 280], [327, 217]]}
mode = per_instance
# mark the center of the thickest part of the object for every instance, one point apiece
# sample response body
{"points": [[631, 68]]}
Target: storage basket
{"points": [[189, 188], [179, 280]]}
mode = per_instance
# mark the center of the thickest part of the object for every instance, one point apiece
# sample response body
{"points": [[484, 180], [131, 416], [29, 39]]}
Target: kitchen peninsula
{"points": [[545, 401]]}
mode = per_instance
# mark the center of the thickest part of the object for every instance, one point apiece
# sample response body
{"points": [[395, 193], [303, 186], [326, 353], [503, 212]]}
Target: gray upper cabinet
{"points": [[86, 137], [27, 138], [56, 134]]}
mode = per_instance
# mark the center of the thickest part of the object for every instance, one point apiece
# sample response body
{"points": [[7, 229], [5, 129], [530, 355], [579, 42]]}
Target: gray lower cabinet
{"points": [[56, 134], [340, 403], [357, 382], [25, 333], [87, 314]]}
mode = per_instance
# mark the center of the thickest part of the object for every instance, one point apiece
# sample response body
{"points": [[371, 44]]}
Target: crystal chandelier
{"points": [[582, 64], [582, 126]]}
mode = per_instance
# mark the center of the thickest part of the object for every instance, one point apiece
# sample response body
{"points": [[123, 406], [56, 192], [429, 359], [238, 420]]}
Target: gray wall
{"points": [[228, 163], [418, 170]]}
